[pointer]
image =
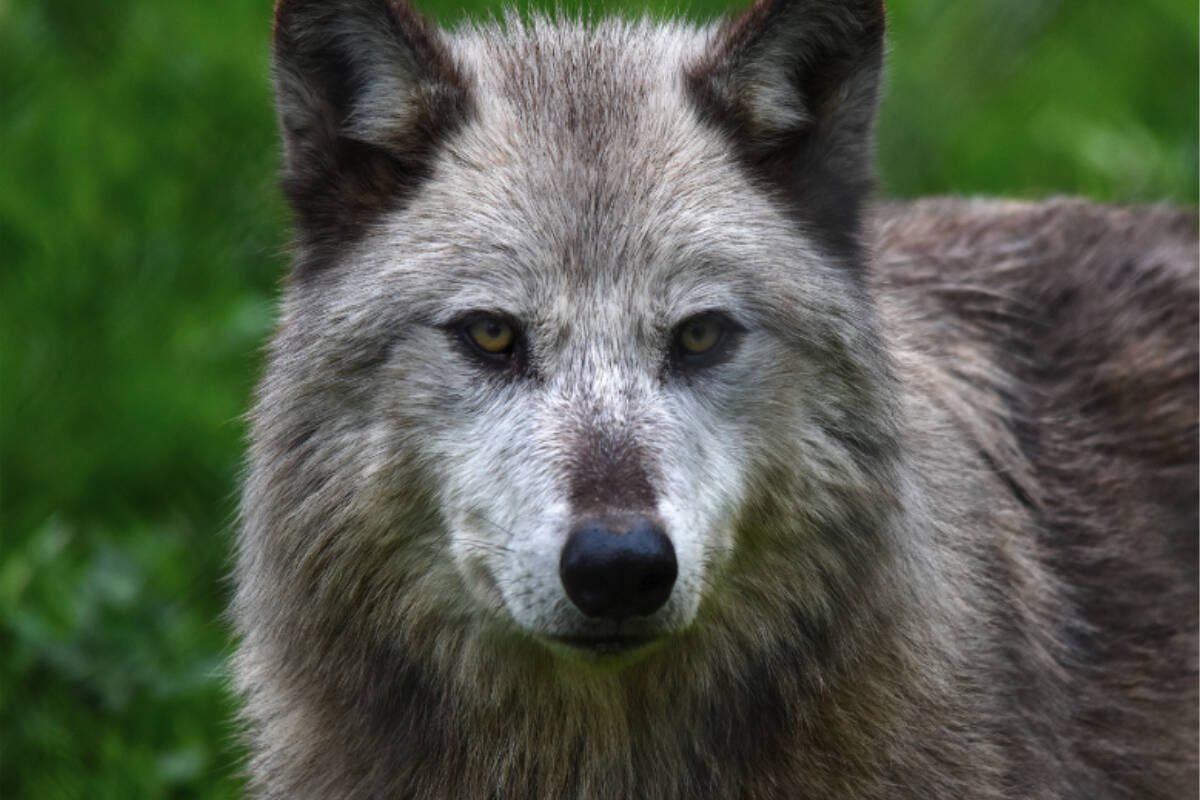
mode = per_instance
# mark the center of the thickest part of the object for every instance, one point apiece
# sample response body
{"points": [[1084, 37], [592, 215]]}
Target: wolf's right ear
{"points": [[793, 85], [364, 90]]}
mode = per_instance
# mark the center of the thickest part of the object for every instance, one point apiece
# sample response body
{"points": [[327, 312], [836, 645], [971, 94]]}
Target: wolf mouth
{"points": [[605, 645]]}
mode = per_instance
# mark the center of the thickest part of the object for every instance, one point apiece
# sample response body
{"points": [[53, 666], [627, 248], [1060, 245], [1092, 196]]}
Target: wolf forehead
{"points": [[580, 148], [577, 90]]}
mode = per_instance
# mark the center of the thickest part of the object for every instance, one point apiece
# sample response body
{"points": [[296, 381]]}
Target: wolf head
{"points": [[576, 352]]}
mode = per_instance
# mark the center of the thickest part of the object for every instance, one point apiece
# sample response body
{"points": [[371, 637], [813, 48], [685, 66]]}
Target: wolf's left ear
{"points": [[365, 90], [793, 83]]}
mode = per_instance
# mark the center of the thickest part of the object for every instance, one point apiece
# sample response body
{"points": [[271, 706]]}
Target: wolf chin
{"points": [[612, 446]]}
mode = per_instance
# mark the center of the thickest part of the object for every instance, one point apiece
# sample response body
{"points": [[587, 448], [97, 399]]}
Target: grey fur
{"points": [[935, 514]]}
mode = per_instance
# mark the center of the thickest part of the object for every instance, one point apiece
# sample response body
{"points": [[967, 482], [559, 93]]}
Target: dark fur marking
{"points": [[819, 172], [608, 475], [338, 185]]}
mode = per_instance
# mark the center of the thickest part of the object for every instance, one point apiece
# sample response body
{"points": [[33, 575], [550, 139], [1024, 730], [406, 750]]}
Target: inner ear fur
{"points": [[365, 90], [794, 85]]}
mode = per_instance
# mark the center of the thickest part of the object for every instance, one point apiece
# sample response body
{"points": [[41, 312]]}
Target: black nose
{"points": [[618, 567]]}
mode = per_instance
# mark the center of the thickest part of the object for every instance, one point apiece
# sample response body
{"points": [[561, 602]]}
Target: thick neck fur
{"points": [[844, 689]]}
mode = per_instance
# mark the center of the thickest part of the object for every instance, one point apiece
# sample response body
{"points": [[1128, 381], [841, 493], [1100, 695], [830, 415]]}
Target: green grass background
{"points": [[141, 247]]}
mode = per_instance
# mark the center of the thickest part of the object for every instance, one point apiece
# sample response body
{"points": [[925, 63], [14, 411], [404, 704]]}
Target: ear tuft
{"points": [[793, 83], [365, 90]]}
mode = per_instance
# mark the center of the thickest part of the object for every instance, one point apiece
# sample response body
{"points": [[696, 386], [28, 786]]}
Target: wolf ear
{"points": [[364, 91], [793, 83]]}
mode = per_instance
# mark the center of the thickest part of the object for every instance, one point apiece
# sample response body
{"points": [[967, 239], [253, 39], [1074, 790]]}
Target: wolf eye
{"points": [[703, 340], [699, 335], [491, 335], [492, 338]]}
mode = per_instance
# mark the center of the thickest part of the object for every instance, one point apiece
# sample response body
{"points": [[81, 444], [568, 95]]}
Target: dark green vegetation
{"points": [[142, 240]]}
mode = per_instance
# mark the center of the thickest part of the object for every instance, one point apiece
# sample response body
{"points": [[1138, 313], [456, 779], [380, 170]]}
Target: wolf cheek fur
{"points": [[566, 296]]}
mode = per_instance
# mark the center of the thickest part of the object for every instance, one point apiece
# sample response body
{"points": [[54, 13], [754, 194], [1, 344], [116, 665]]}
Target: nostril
{"points": [[618, 567]]}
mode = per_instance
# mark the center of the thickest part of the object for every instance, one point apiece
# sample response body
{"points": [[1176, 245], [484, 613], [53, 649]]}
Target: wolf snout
{"points": [[615, 567]]}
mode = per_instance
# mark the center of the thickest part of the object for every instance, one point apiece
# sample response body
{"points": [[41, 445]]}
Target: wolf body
{"points": [[909, 492]]}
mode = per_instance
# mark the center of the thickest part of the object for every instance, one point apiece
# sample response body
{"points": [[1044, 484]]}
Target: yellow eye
{"points": [[699, 335], [492, 336]]}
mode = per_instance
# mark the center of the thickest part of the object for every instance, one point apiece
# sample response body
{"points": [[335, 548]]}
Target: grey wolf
{"points": [[613, 445]]}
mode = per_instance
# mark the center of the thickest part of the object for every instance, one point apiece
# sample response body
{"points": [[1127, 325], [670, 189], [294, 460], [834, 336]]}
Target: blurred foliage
{"points": [[1034, 97], [142, 239]]}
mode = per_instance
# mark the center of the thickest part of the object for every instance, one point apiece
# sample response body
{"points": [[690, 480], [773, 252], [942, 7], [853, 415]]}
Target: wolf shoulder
{"points": [[1073, 328], [1056, 256]]}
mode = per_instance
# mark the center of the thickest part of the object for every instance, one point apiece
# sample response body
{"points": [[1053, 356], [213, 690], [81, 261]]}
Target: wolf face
{"points": [[546, 327]]}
